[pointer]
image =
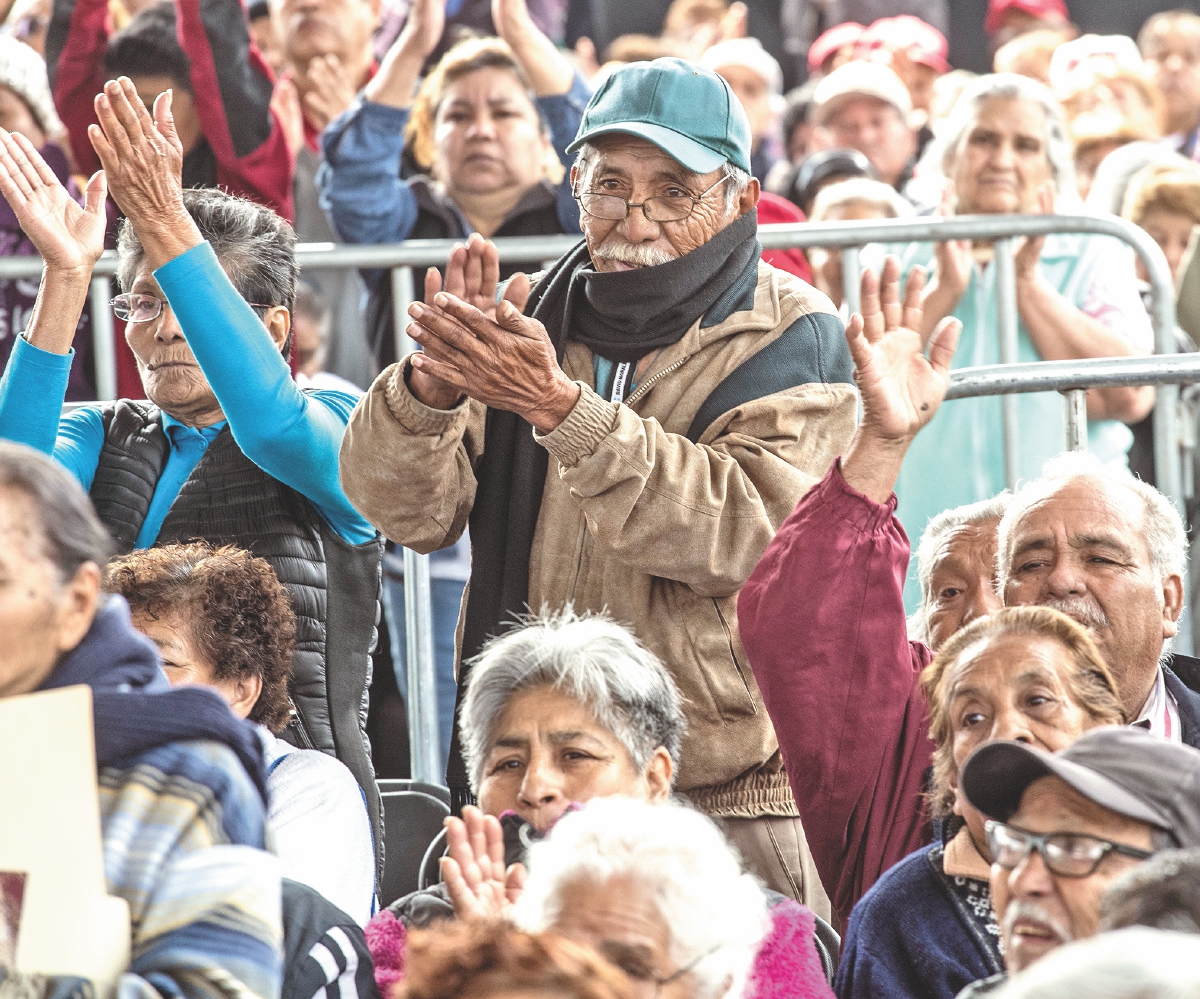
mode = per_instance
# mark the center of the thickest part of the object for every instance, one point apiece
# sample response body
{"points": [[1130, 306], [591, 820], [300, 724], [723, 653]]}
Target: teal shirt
{"points": [[291, 435], [959, 457]]}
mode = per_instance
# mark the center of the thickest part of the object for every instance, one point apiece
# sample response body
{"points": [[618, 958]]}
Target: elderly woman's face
{"points": [[1001, 161], [548, 751], [41, 616], [619, 919], [171, 376], [962, 583], [488, 137], [634, 169], [1011, 687]]}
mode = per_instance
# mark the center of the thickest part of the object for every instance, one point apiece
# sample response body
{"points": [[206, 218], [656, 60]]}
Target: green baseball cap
{"points": [[687, 111]]}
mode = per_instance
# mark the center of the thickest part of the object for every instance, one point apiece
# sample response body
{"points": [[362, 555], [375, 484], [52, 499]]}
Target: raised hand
{"points": [[397, 77], [142, 156], [473, 274], [330, 92], [143, 160], [901, 388], [69, 237], [476, 880]]}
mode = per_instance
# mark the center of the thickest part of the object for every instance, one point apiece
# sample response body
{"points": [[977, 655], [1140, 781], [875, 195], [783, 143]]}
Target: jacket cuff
{"points": [[581, 432], [412, 414], [854, 507]]}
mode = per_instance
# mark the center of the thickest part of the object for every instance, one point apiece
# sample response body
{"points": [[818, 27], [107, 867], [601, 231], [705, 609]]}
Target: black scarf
{"points": [[621, 316], [135, 709]]}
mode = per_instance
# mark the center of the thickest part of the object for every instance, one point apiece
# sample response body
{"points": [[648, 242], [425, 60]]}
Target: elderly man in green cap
{"points": [[626, 436]]}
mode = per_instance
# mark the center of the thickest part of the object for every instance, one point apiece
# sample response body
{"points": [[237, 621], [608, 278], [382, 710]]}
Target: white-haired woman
{"points": [[659, 892], [1004, 150], [566, 708]]}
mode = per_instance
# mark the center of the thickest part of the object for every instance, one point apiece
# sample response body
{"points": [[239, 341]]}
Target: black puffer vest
{"points": [[334, 585]]}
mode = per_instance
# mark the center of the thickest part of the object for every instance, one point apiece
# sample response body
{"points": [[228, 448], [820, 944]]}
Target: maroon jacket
{"points": [[822, 620]]}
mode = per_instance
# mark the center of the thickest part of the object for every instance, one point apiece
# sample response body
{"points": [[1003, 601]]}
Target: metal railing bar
{"points": [[1004, 279], [1061, 376], [1075, 401]]}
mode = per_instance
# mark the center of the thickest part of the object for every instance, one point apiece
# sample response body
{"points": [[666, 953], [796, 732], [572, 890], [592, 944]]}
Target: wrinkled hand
{"points": [[901, 389], [70, 238], [142, 156], [510, 17], [331, 90], [473, 274], [509, 363], [476, 880], [1025, 260]]}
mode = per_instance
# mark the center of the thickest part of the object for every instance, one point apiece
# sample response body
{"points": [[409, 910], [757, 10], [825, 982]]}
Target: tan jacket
{"points": [[637, 519]]}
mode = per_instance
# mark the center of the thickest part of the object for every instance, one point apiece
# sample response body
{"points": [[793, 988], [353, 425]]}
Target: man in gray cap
{"points": [[633, 436], [1065, 825]]}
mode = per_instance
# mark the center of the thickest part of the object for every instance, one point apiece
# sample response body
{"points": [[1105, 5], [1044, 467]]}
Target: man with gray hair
{"points": [[633, 439], [1109, 551]]}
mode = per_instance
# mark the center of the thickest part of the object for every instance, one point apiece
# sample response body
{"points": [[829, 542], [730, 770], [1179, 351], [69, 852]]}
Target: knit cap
{"points": [[24, 73]]}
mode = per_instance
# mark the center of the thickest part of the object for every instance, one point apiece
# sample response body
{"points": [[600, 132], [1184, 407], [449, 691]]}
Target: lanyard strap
{"points": [[620, 380]]}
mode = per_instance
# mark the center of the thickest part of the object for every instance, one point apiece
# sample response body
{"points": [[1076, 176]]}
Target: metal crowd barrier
{"points": [[1072, 378]]}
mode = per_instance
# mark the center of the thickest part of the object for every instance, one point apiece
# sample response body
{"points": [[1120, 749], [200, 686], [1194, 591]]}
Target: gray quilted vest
{"points": [[334, 585]]}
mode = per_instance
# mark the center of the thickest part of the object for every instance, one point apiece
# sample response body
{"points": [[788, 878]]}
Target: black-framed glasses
{"points": [[1069, 855], [145, 308], [659, 209]]}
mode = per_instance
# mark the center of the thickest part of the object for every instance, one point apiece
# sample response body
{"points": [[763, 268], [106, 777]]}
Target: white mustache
{"points": [[634, 254], [1020, 911], [1081, 609]]}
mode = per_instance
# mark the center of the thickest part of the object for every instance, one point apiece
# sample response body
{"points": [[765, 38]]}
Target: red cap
{"points": [[922, 42], [774, 209], [837, 37], [1035, 8]]}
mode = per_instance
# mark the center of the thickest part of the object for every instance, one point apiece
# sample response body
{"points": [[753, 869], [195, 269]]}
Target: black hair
{"points": [[148, 46], [72, 534]]}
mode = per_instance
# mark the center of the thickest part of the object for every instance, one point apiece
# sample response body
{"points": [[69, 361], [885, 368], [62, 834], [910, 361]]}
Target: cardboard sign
{"points": [[55, 915]]}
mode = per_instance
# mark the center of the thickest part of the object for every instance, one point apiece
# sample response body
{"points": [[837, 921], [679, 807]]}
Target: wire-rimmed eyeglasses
{"points": [[658, 209], [145, 308]]}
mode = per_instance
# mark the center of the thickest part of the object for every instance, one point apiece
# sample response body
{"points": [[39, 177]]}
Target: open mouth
{"points": [[1034, 932]]}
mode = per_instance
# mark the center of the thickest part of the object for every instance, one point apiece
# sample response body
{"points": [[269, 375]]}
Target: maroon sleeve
{"points": [[75, 43], [232, 85], [822, 619]]}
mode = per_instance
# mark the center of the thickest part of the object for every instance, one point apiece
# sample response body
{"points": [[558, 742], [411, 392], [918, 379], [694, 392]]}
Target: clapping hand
{"points": [[474, 874], [330, 91], [69, 237], [901, 387]]}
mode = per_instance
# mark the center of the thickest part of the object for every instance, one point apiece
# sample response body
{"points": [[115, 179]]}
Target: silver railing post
{"points": [[1006, 324], [104, 347], [1077, 426], [852, 278], [424, 740]]}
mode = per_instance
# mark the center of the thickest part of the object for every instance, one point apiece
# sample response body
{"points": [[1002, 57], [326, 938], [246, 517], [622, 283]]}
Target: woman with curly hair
{"points": [[221, 618]]}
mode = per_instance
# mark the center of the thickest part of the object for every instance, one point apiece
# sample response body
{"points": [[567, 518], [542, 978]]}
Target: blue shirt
{"points": [[291, 435]]}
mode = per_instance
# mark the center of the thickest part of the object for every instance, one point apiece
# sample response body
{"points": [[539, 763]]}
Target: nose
{"points": [[1065, 579], [1011, 723], [483, 126], [541, 788], [984, 600], [1030, 878], [168, 330], [637, 228]]}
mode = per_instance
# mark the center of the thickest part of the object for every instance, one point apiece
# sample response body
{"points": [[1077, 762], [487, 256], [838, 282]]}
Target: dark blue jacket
{"points": [[910, 937], [1183, 682]]}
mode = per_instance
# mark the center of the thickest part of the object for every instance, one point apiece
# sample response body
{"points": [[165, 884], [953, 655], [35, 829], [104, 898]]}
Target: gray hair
{"points": [[1164, 531], [1163, 893], [255, 246], [588, 657], [938, 160], [945, 523], [738, 182], [715, 913], [72, 534], [1136, 963]]}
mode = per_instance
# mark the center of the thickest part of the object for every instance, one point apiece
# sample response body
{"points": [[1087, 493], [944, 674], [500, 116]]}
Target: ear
{"points": [[749, 196], [574, 176], [1172, 604], [243, 694], [278, 322], [659, 772], [77, 608]]}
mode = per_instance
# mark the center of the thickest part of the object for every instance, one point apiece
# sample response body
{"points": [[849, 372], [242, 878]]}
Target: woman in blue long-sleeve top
{"points": [[491, 124], [227, 449]]}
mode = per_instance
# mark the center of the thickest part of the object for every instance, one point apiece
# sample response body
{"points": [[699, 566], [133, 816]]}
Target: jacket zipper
{"points": [[642, 389]]}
